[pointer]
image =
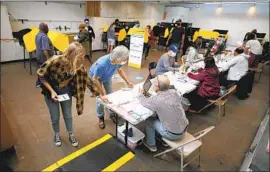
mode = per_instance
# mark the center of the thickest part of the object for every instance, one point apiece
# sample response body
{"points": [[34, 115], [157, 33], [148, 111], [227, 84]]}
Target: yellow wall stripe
{"points": [[78, 153], [121, 161]]}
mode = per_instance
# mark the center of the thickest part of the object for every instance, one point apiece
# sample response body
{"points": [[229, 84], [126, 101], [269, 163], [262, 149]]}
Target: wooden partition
{"points": [[92, 8]]}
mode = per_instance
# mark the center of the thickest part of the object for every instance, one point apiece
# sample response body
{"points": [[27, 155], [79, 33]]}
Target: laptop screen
{"points": [[147, 85]]}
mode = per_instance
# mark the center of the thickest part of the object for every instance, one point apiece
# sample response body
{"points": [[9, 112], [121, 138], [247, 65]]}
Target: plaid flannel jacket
{"points": [[54, 69]]}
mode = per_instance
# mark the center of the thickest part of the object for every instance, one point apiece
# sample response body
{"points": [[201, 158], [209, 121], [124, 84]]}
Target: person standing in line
{"points": [[156, 33], [91, 35], [83, 38], [65, 75], [111, 37], [177, 37], [147, 45], [102, 71], [44, 47]]}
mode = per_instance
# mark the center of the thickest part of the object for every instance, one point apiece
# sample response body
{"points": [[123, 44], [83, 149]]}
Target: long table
{"points": [[127, 105]]}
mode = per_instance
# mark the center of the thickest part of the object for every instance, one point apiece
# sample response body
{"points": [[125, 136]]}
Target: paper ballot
{"points": [[63, 97]]}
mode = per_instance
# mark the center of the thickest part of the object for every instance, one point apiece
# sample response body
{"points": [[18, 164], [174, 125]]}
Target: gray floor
{"points": [[260, 162]]}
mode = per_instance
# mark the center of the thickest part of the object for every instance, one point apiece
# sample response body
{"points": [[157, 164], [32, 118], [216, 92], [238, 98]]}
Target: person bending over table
{"points": [[216, 47], [209, 85], [65, 74], [192, 55], [171, 122], [238, 67], [167, 62], [102, 71]]}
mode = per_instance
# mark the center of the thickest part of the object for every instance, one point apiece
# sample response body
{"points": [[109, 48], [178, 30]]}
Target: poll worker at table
{"points": [[193, 55], [209, 85], [255, 49], [167, 62], [102, 71], [216, 47], [248, 34], [237, 67], [65, 74], [171, 122], [177, 37]]}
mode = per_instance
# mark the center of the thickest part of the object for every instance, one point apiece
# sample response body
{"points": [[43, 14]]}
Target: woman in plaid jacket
{"points": [[65, 75]]}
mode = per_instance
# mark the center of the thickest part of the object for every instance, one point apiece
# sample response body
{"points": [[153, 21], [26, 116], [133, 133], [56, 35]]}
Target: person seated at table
{"points": [[255, 49], [209, 85], [102, 71], [216, 47], [171, 122], [192, 54], [167, 61], [238, 67]]}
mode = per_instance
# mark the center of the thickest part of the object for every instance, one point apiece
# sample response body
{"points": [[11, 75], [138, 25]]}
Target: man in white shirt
{"points": [[238, 67], [255, 49]]}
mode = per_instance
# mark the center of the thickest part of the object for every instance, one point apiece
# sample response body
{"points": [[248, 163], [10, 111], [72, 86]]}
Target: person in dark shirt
{"points": [[156, 33], [177, 37], [249, 35], [91, 35]]}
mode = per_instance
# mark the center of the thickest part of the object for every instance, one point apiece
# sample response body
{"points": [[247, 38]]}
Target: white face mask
{"points": [[123, 63], [173, 54]]}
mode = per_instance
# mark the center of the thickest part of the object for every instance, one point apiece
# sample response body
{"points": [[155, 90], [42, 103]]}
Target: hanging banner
{"points": [[136, 49]]}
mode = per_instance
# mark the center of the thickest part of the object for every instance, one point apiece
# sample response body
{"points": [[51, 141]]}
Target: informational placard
{"points": [[136, 49]]}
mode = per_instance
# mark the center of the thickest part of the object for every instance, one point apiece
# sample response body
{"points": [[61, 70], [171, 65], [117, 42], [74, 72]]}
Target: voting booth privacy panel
{"points": [[59, 40]]}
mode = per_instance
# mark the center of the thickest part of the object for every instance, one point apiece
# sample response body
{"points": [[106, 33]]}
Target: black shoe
{"points": [[57, 140], [159, 139]]}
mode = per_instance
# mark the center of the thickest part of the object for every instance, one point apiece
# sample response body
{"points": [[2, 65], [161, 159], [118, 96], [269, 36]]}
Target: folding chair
{"points": [[259, 69], [220, 102], [186, 145], [152, 69]]}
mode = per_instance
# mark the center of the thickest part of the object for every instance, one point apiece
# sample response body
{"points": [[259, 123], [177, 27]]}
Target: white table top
{"points": [[127, 105]]}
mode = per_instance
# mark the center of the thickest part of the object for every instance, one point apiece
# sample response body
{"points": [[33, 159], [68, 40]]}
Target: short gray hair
{"points": [[163, 82], [120, 53]]}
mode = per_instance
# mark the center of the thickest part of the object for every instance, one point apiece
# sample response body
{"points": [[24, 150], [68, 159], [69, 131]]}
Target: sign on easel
{"points": [[136, 49]]}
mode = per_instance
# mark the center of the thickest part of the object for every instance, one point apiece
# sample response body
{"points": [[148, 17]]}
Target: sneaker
{"points": [[162, 142], [57, 139], [101, 123], [73, 140], [151, 148]]}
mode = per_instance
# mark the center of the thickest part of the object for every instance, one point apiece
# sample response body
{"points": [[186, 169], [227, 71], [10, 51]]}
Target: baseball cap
{"points": [[173, 48]]}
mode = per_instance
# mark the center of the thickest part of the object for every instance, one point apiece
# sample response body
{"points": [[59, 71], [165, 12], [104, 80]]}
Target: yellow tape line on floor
{"points": [[121, 161], [77, 153]]}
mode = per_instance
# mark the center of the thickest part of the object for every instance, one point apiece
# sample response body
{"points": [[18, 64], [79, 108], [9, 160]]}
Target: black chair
{"points": [[245, 85], [152, 69]]}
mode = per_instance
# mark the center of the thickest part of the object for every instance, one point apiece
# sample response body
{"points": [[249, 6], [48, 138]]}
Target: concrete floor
{"points": [[223, 148]]}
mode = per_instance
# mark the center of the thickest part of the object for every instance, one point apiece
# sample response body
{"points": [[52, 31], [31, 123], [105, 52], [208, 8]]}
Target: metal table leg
{"points": [[116, 125], [126, 134], [30, 60], [24, 56]]}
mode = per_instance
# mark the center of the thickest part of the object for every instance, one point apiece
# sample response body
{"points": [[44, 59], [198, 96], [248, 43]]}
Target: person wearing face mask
{"points": [[65, 74], [193, 55], [171, 122], [167, 61], [177, 37], [44, 47], [84, 40], [216, 47], [238, 67], [111, 37], [102, 71], [209, 85], [91, 35]]}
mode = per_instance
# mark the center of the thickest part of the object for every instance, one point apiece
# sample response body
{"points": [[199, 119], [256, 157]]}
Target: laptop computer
{"points": [[146, 87]]}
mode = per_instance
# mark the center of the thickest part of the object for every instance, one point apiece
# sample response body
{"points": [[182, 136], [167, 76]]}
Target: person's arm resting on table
{"points": [[226, 66], [168, 66], [124, 77], [148, 102], [97, 74], [198, 77]]}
